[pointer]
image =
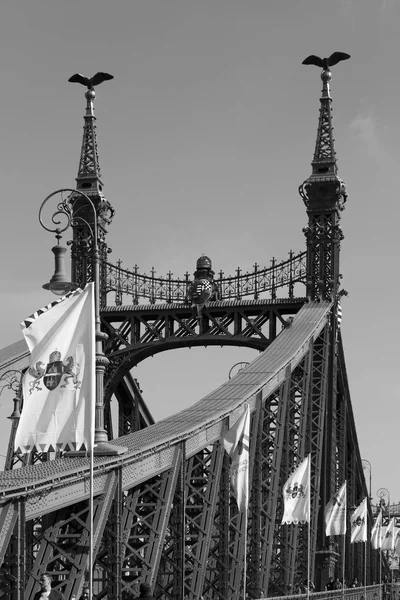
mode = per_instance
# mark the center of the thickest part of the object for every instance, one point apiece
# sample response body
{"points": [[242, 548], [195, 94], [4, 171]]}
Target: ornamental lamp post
{"points": [[64, 217], [384, 499]]}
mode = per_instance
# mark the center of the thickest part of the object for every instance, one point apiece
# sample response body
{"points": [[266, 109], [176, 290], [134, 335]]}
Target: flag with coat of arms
{"points": [[336, 512], [389, 538], [377, 533], [59, 386], [236, 442], [358, 522], [296, 495]]}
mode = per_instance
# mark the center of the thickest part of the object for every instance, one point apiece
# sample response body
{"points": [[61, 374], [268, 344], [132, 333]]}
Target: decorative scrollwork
{"points": [[66, 209], [169, 290], [63, 210], [11, 380]]}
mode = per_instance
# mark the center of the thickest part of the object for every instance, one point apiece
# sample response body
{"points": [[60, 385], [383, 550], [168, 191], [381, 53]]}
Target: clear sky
{"points": [[204, 135]]}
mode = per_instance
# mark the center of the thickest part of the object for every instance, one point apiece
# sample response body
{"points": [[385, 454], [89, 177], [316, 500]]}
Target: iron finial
{"points": [[325, 63]]}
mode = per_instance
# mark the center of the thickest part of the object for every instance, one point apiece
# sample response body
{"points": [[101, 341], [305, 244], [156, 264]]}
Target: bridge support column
{"points": [[325, 563]]}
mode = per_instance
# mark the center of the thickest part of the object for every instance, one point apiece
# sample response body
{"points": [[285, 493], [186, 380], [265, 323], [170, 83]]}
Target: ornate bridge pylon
{"points": [[163, 511]]}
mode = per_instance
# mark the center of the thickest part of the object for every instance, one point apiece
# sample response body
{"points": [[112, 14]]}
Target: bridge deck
{"points": [[153, 450]]}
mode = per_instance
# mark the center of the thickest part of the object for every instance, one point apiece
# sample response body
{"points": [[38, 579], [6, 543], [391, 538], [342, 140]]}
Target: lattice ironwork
{"points": [[178, 527], [324, 147], [267, 280], [135, 333]]}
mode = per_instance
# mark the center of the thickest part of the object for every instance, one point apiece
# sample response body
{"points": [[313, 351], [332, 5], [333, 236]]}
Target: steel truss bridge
{"points": [[163, 511]]}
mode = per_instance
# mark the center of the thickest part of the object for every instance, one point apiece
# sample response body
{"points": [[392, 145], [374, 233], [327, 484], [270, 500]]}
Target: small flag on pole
{"points": [[389, 539], [59, 386], [296, 495], [236, 442], [377, 533], [335, 513], [359, 523]]}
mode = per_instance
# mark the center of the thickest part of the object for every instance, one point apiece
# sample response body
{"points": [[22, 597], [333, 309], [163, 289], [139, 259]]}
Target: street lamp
{"points": [[237, 367], [384, 499], [366, 465], [60, 285]]}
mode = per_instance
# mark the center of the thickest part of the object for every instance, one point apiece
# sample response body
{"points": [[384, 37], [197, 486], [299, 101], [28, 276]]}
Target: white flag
{"points": [[335, 513], [236, 442], [296, 495], [397, 542], [59, 386], [389, 538], [359, 523], [377, 533]]}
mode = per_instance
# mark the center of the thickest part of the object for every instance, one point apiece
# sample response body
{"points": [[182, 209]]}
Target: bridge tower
{"points": [[324, 195]]}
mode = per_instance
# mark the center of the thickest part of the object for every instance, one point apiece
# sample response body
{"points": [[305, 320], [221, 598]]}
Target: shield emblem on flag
{"points": [[295, 490], [54, 371]]}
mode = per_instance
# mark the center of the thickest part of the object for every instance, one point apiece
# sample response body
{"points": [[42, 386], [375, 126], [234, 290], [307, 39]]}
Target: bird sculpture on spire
{"points": [[90, 83], [325, 63]]}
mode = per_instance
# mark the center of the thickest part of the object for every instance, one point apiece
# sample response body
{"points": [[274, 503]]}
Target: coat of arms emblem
{"points": [[54, 372], [297, 491]]}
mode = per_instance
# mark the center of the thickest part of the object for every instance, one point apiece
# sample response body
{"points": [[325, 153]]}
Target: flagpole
{"points": [[245, 554], [236, 443], [309, 528], [91, 463], [365, 568], [344, 563], [308, 559], [91, 523]]}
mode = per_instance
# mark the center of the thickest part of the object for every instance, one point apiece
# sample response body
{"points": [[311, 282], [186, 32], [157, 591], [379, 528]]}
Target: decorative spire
{"points": [[89, 175], [90, 183], [324, 165], [324, 161], [324, 195]]}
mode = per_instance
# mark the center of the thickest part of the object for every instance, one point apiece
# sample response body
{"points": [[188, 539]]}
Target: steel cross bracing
{"points": [[137, 332], [49, 491], [179, 465]]}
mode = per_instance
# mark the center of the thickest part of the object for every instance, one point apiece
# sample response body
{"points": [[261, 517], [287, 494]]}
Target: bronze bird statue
{"points": [[325, 63], [90, 83]]}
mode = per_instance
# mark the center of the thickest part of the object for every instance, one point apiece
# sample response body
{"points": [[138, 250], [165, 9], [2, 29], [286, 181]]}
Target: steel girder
{"points": [[62, 542], [137, 332], [172, 521], [356, 559]]}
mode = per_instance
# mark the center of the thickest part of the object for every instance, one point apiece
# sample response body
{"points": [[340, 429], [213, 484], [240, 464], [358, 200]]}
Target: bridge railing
{"points": [[284, 274], [370, 592]]}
